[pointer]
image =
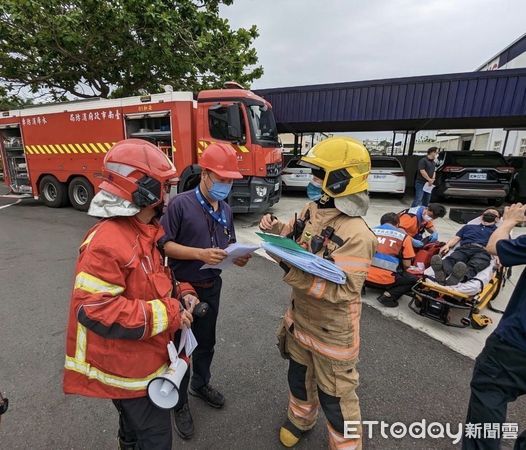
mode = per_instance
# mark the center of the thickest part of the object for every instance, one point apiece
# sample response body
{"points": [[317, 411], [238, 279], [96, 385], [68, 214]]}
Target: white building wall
{"points": [[480, 140], [493, 139]]}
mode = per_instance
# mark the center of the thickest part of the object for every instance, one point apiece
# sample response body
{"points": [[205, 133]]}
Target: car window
{"points": [[385, 163], [293, 164], [218, 124], [477, 160]]}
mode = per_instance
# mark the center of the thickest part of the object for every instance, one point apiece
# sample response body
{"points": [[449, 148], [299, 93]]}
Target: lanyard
{"points": [[218, 216]]}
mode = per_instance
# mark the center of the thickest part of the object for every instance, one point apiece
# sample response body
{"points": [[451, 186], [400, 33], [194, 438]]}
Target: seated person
{"points": [[393, 254], [470, 257], [415, 221]]}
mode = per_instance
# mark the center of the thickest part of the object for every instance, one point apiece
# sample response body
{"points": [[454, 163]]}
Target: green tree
{"points": [[12, 102], [110, 48]]}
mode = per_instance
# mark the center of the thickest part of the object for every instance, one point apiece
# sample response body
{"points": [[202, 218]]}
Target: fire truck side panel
{"points": [[183, 126], [70, 144], [62, 146]]}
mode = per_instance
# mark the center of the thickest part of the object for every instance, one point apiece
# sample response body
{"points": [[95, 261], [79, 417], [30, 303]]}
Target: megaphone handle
{"points": [[184, 357]]}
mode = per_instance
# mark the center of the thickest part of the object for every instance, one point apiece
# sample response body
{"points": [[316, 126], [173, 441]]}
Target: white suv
{"points": [[387, 175]]}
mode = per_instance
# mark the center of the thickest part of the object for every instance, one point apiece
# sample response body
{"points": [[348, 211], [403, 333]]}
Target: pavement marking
{"points": [[11, 204]]}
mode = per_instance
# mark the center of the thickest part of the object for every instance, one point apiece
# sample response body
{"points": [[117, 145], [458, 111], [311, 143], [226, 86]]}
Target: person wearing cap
{"points": [[320, 332], [199, 225], [123, 309]]}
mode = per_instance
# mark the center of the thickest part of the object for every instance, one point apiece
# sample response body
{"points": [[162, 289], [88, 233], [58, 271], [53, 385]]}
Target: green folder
{"points": [[281, 241]]}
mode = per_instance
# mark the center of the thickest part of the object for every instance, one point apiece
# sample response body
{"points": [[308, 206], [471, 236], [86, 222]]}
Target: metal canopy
{"points": [[490, 99]]}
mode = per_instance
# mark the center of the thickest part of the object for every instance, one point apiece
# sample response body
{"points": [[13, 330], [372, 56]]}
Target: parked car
{"points": [[387, 175], [295, 177], [473, 174], [518, 183]]}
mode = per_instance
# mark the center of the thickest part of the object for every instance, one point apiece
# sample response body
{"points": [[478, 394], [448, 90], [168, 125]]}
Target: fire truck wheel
{"points": [[52, 192], [80, 193]]}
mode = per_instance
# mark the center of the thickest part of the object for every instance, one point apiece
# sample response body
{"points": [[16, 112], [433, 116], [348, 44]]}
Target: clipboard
{"points": [[281, 241]]}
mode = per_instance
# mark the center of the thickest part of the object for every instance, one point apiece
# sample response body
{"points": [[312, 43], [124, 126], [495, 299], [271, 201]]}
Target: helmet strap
{"points": [[325, 198]]}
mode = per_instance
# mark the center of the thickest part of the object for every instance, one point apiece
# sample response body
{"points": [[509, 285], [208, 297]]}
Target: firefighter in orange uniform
{"points": [[123, 312], [320, 333], [393, 255]]}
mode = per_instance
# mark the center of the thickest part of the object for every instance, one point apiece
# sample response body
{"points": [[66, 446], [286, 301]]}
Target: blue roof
{"points": [[490, 99]]}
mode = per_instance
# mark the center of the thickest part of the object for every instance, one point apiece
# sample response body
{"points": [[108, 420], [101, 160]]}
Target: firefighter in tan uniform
{"points": [[320, 334]]}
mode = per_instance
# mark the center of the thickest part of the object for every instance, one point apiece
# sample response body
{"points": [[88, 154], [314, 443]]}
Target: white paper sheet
{"points": [[308, 263], [188, 340], [234, 251], [428, 188]]}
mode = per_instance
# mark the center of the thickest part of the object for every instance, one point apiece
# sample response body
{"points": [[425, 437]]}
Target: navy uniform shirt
{"points": [[512, 326], [187, 223], [428, 165], [476, 234]]}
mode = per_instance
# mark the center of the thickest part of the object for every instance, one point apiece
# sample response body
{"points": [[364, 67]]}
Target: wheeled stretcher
{"points": [[460, 305]]}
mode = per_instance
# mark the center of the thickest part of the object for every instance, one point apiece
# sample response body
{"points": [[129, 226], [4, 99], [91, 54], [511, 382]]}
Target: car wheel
{"points": [[80, 192], [53, 193]]}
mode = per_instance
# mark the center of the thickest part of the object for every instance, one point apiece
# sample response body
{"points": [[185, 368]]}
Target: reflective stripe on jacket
{"points": [[122, 313], [386, 260]]}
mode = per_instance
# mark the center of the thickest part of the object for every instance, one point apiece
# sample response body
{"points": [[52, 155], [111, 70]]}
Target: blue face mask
{"points": [[314, 191], [219, 191]]}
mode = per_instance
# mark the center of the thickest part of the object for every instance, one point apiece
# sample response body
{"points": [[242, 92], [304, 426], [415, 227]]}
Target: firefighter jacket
{"points": [[394, 245], [324, 317], [122, 314]]}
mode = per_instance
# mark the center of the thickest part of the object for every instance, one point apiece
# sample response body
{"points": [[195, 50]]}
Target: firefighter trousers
{"points": [[143, 426], [315, 381]]}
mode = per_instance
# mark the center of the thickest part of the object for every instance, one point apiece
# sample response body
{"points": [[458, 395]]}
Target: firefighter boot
{"points": [[184, 424], [289, 434]]}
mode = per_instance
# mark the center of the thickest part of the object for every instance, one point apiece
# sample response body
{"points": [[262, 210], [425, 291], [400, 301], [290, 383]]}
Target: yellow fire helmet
{"points": [[344, 162]]}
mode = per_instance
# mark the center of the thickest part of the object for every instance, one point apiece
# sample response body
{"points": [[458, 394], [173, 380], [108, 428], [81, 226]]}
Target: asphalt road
{"points": [[406, 376]]}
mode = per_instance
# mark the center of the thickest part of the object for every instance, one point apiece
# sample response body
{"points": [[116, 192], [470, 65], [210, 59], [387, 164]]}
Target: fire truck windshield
{"points": [[263, 125]]}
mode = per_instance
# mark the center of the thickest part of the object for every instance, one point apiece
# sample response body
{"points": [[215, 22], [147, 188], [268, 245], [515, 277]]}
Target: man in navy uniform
{"points": [[199, 225]]}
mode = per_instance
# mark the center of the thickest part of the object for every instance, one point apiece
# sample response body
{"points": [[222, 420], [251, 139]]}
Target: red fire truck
{"points": [[55, 152]]}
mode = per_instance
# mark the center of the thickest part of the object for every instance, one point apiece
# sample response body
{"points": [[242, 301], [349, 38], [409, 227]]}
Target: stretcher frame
{"points": [[435, 301]]}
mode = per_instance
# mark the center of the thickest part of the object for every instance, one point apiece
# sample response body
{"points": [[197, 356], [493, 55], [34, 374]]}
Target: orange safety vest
{"points": [[122, 314], [410, 223], [387, 258]]}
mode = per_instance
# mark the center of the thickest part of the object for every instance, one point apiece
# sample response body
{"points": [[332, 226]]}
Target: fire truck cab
{"points": [[55, 152]]}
